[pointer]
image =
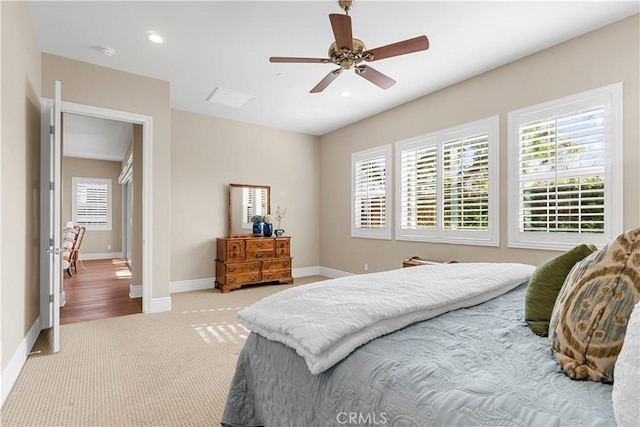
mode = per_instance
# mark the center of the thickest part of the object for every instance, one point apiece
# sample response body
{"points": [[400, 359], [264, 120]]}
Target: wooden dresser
{"points": [[413, 261], [246, 260]]}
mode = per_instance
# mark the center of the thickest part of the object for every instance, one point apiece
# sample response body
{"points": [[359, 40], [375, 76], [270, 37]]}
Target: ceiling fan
{"points": [[348, 52]]}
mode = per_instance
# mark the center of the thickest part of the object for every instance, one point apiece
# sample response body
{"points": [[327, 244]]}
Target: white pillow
{"points": [[626, 375]]}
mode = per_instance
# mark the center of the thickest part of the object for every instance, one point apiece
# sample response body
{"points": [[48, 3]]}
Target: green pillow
{"points": [[544, 286]]}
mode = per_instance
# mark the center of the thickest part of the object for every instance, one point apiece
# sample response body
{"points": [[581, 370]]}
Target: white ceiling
{"points": [[93, 138], [214, 44]]}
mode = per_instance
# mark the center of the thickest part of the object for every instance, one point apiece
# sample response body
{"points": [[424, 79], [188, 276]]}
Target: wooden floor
{"points": [[97, 291]]}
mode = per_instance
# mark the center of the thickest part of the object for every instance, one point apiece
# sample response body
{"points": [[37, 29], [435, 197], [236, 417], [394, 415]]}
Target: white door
{"points": [[51, 227]]}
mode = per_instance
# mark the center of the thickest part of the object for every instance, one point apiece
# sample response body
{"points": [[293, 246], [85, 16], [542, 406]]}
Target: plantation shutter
{"points": [[466, 183], [92, 203], [418, 188], [370, 193], [562, 172]]}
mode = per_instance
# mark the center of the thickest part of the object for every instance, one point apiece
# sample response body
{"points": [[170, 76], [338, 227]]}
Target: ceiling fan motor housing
{"points": [[348, 58]]}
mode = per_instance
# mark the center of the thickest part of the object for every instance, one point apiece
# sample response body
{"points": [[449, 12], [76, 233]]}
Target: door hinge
{"points": [[51, 186], [50, 241], [52, 129], [50, 297]]}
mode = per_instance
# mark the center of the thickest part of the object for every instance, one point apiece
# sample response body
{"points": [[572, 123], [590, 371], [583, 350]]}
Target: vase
{"points": [[267, 230], [257, 227]]}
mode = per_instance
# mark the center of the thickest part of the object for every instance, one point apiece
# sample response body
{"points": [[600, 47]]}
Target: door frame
{"points": [[147, 184]]}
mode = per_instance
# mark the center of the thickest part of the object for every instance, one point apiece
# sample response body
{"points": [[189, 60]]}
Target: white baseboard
{"points": [[11, 372], [135, 291], [105, 255], [305, 271], [159, 305], [332, 273], [191, 285], [209, 282]]}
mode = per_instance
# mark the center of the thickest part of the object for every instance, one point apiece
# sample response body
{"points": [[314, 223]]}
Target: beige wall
{"points": [[98, 86], [599, 58], [95, 241], [20, 181], [208, 154]]}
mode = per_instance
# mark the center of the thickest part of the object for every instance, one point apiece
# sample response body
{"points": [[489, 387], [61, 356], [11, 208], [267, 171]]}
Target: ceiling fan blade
{"points": [[326, 81], [401, 48], [375, 76], [300, 60], [341, 25]]}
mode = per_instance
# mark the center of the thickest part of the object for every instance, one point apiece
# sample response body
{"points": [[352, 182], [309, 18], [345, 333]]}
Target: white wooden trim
{"points": [[305, 271], [147, 184], [135, 291], [99, 255], [158, 305], [333, 273], [13, 368], [192, 285]]}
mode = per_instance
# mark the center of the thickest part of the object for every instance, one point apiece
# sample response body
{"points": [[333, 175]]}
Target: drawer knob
{"points": [[254, 267], [231, 279], [259, 244], [259, 255], [232, 268]]}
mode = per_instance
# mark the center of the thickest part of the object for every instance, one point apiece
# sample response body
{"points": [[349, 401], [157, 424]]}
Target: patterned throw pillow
{"points": [[590, 316], [544, 286]]}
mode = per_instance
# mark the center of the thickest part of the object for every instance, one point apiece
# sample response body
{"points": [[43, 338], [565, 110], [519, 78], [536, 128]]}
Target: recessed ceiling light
{"points": [[155, 37], [345, 94]]}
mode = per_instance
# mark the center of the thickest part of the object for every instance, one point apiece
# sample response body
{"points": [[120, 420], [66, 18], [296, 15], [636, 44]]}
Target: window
{"points": [[448, 185], [565, 172], [91, 202], [371, 193], [253, 201]]}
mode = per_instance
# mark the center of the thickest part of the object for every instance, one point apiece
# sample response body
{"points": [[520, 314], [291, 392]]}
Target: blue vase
{"points": [[267, 229], [257, 227]]}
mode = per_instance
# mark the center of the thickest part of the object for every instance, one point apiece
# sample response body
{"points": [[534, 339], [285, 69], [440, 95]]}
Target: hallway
{"points": [[100, 289]]}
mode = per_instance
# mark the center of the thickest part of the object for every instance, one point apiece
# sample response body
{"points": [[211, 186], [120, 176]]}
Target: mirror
{"points": [[245, 201]]}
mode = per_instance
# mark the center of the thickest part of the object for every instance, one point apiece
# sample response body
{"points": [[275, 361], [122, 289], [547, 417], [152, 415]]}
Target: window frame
{"points": [[74, 202], [489, 237], [383, 233], [611, 97]]}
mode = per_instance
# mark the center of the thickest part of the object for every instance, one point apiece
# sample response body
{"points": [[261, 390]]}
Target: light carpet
{"points": [[160, 369]]}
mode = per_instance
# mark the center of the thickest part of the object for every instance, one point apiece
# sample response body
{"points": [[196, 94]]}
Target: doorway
{"points": [[97, 174], [141, 190]]}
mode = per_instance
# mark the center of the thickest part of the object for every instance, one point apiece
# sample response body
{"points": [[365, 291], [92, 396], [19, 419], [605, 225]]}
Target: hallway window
{"points": [[91, 204]]}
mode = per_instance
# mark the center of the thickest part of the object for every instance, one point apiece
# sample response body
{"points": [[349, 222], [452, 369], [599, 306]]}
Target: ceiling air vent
{"points": [[228, 97]]}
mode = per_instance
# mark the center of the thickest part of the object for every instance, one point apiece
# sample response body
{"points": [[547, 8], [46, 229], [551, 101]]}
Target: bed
{"points": [[475, 363]]}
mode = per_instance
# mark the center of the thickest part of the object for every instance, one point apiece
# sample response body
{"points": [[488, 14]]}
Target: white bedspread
{"points": [[325, 321]]}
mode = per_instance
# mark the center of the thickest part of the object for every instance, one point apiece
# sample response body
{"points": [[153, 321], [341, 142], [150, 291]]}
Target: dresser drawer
{"points": [[243, 267], [276, 274], [277, 264], [231, 249], [282, 247], [242, 278], [259, 244], [258, 255]]}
